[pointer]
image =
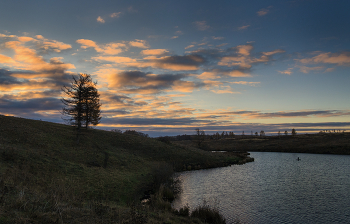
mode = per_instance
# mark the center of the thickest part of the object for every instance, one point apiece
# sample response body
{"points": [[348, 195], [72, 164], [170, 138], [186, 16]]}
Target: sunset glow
{"points": [[168, 67]]}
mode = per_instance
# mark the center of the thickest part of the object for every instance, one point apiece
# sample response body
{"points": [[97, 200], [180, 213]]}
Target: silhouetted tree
{"points": [[82, 103], [286, 132], [200, 136], [294, 132]]}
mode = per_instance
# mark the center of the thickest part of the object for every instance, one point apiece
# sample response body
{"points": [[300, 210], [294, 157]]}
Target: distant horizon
{"points": [[167, 67], [192, 132]]}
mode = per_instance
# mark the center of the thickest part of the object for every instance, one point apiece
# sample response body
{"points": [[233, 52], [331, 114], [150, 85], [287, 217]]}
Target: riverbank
{"points": [[45, 177], [324, 143]]}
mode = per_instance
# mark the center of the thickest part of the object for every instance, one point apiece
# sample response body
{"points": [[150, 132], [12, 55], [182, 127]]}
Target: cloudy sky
{"points": [[168, 67]]}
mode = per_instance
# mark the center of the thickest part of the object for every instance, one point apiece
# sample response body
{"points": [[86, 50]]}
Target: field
{"points": [[324, 143], [46, 177]]}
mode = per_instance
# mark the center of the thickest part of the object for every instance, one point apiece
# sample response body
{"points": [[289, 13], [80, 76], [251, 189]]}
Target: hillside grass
{"points": [[46, 177]]}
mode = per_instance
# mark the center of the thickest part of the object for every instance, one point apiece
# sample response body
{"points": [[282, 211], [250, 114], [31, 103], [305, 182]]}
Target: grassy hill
{"points": [[45, 177]]}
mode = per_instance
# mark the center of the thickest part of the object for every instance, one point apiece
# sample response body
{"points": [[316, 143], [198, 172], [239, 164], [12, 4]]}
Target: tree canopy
{"points": [[83, 102]]}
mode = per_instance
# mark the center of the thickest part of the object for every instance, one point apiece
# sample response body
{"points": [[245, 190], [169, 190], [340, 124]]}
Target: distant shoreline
{"points": [[323, 143]]}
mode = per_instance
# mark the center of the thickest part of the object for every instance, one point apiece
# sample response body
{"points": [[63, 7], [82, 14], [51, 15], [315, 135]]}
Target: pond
{"points": [[275, 188]]}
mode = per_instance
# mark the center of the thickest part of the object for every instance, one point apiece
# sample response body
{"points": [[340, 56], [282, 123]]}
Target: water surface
{"points": [[275, 188]]}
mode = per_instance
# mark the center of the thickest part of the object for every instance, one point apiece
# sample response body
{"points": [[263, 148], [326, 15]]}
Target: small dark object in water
{"points": [[298, 159]]}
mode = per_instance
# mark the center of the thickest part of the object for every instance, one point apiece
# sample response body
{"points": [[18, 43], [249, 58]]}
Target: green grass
{"points": [[45, 177]]}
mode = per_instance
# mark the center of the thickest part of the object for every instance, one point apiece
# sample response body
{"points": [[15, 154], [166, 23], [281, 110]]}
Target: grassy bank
{"points": [[45, 177]]}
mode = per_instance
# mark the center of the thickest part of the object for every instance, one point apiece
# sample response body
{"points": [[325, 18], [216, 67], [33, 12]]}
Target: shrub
{"points": [[208, 215], [133, 132], [185, 211], [165, 139]]}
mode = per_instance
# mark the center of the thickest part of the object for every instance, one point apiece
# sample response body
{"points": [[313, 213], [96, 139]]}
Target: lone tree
{"points": [[200, 136], [82, 103]]}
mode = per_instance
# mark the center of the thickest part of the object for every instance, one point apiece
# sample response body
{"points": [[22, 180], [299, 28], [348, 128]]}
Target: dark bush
{"points": [[165, 139], [208, 215], [185, 211], [133, 132]]}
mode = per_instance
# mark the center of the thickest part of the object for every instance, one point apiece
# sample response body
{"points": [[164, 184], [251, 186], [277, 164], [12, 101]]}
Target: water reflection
{"points": [[276, 188]]}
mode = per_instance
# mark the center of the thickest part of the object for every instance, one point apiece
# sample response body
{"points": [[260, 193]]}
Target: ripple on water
{"points": [[275, 188]]}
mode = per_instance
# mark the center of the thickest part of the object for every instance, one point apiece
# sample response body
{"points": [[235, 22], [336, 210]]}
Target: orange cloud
{"points": [[273, 52], [329, 58], [246, 83], [237, 73], [25, 39], [100, 20], [87, 43], [305, 69], [288, 71], [6, 60], [243, 27], [208, 75], [201, 25], [263, 12], [116, 15], [139, 43], [189, 46], [154, 51], [217, 38], [117, 59], [244, 60], [184, 86], [244, 49], [227, 90], [106, 49], [215, 74]]}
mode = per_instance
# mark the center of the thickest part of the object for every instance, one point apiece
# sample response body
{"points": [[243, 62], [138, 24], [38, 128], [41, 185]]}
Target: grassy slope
{"points": [[46, 177]]}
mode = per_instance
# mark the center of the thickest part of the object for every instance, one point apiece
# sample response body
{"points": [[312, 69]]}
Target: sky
{"points": [[169, 67]]}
